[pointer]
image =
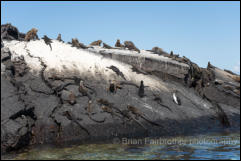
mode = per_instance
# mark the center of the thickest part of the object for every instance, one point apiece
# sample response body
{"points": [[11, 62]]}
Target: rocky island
{"points": [[54, 92]]}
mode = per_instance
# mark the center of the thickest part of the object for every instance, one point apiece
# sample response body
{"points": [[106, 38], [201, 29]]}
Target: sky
{"points": [[201, 31]]}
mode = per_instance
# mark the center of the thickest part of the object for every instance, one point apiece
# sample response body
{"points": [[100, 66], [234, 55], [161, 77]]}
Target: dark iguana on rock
{"points": [[117, 71], [71, 117], [138, 113], [47, 41]]}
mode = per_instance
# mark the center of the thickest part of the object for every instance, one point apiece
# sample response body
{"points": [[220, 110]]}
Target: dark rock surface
{"points": [[9, 32], [2, 45], [149, 65], [46, 107]]}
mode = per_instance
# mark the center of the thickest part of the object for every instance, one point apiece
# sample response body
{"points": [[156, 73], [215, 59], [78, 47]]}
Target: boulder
{"points": [[5, 54], [10, 32], [33, 101]]}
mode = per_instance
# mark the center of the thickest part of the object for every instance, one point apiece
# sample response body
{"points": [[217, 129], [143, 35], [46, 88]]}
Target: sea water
{"points": [[213, 146]]}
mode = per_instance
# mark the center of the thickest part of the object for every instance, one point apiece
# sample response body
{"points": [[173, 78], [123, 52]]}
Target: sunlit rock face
{"points": [[39, 85]]}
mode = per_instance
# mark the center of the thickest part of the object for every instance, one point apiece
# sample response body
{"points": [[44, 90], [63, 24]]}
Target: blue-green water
{"points": [[199, 147]]}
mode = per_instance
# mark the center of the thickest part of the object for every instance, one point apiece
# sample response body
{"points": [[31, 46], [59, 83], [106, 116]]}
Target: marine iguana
{"points": [[113, 86], [118, 44], [127, 115], [71, 117], [107, 46], [109, 110], [47, 41], [117, 71], [137, 113], [130, 45], [96, 43], [89, 109], [159, 101]]}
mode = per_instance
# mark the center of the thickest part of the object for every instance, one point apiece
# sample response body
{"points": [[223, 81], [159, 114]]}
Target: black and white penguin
{"points": [[176, 99], [141, 91]]}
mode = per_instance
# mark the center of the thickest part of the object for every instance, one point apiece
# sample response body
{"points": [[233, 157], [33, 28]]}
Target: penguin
{"points": [[175, 98], [171, 54], [112, 87], [141, 90]]}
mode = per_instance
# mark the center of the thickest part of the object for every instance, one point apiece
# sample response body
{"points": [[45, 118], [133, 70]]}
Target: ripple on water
{"points": [[134, 152]]}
